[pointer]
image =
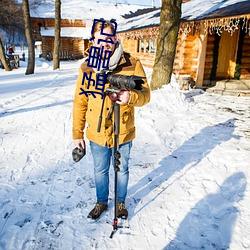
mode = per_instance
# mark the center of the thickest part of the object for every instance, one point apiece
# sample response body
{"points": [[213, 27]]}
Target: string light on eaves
{"points": [[218, 25]]}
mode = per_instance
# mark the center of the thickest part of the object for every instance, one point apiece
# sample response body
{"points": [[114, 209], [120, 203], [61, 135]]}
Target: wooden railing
{"points": [[64, 55]]}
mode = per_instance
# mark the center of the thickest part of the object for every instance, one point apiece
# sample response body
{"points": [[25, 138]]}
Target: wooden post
{"points": [[145, 45], [156, 41], [140, 40], [201, 60]]}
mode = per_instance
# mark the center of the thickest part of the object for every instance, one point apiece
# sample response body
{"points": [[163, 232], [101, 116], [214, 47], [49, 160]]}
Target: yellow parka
{"points": [[87, 108]]}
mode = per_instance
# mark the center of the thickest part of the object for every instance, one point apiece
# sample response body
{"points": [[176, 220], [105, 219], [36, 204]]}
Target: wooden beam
{"points": [[201, 60]]}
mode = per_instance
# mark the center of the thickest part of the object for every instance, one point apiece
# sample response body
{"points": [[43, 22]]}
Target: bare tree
{"points": [[168, 34], [56, 59], [11, 24], [3, 57], [28, 33], [36, 3], [11, 16]]}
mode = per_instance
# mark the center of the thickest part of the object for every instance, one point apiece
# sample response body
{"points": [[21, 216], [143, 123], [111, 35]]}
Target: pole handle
{"points": [[99, 124]]}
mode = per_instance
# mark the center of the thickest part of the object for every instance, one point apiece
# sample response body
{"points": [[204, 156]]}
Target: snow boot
{"points": [[122, 211], [97, 210]]}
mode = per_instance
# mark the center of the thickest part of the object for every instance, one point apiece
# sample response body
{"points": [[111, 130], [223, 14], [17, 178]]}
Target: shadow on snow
{"points": [[210, 223], [190, 153], [23, 110]]}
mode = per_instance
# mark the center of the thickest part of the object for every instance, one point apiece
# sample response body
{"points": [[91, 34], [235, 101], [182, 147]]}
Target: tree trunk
{"points": [[29, 38], [3, 57], [56, 59], [168, 34]]}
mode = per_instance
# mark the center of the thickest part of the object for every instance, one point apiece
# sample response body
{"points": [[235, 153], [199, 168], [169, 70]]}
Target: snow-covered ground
{"points": [[189, 170]]}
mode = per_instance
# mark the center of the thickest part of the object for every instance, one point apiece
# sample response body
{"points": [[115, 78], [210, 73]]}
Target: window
{"points": [[146, 45]]}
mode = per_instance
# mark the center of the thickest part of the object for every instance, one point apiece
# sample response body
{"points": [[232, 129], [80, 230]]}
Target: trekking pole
{"points": [[117, 156]]}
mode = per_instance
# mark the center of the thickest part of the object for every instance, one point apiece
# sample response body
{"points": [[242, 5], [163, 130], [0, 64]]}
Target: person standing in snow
{"points": [[11, 50], [86, 109]]}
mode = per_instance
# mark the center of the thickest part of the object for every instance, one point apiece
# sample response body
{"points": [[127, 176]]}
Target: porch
{"points": [[231, 87]]}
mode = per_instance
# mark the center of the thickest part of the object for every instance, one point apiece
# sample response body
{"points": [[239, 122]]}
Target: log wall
{"points": [[50, 22], [209, 57], [179, 59], [245, 60], [186, 56], [189, 57], [132, 46], [73, 45]]}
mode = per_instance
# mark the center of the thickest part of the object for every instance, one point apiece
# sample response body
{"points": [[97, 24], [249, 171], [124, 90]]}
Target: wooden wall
{"points": [[212, 57], [50, 22], [74, 45], [132, 46], [209, 58], [129, 45], [186, 56], [245, 60], [186, 53], [178, 61], [146, 59]]}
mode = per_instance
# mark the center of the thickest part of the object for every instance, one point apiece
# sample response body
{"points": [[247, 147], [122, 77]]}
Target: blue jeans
{"points": [[102, 158]]}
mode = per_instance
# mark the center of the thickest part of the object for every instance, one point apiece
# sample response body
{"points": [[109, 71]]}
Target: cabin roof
{"points": [[208, 9], [193, 10], [85, 10]]}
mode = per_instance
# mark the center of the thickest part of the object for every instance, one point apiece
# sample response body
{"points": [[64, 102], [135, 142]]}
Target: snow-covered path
{"points": [[189, 171]]}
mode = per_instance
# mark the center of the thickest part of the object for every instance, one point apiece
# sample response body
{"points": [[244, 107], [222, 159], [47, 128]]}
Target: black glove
{"points": [[78, 153]]}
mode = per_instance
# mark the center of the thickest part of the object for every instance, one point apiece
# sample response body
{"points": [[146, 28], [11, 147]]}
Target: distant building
{"points": [[76, 24]]}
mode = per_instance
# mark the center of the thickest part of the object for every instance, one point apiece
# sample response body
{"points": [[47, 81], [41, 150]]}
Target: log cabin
{"points": [[76, 24], [213, 41], [74, 37]]}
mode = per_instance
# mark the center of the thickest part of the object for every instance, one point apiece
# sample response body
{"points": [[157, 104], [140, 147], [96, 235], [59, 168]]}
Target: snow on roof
{"points": [[197, 9], [85, 10], [145, 20], [192, 10], [138, 2], [80, 32]]}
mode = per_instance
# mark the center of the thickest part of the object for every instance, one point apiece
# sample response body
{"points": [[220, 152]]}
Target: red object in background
{"points": [[11, 51]]}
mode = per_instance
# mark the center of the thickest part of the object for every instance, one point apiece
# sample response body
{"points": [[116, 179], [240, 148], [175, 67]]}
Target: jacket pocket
{"points": [[127, 120]]}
